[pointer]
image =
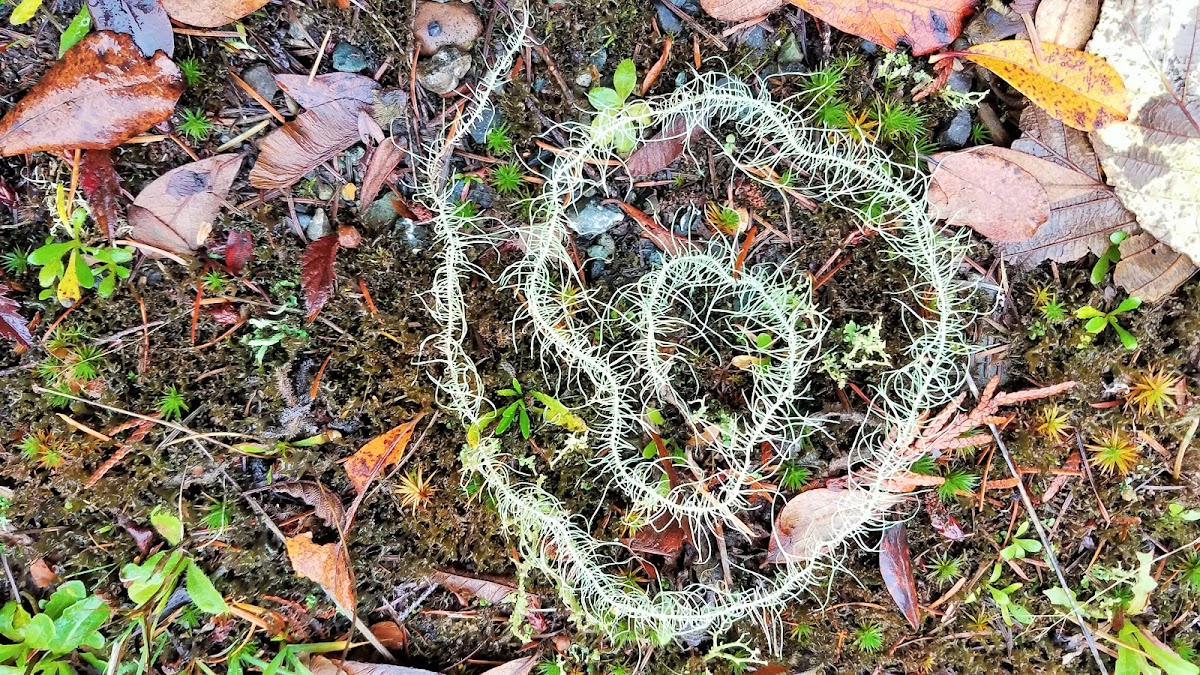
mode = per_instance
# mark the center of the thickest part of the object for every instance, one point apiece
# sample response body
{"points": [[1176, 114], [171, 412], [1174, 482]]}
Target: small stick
{"points": [[687, 18], [237, 140], [257, 97], [316, 385], [1177, 469], [84, 428], [320, 54], [178, 141], [362, 285]]}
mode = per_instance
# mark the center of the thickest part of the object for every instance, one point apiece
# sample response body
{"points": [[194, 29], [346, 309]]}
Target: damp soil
{"points": [[372, 378]]}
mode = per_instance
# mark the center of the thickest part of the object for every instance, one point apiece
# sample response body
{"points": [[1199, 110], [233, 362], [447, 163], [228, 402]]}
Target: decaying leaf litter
{"points": [[169, 345]]}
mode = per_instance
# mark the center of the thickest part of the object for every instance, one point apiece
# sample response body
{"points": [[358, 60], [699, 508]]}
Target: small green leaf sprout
{"points": [[868, 637], [618, 123], [498, 141], [1020, 546], [172, 404], [191, 70], [1097, 320], [1111, 255], [195, 125], [507, 178]]}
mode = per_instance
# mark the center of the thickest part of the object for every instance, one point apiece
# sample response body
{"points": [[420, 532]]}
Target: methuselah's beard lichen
{"points": [[697, 292]]}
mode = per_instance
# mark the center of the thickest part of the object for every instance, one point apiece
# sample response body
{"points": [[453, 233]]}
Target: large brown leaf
{"points": [[175, 212], [383, 162], [327, 565], [327, 127], [1151, 270], [895, 564], [1077, 225], [144, 20], [660, 151], [210, 13], [102, 187], [813, 520], [987, 192], [317, 275], [739, 10], [923, 25], [101, 93]]}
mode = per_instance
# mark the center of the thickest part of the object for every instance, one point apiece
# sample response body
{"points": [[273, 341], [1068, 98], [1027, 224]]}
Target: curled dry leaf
{"points": [[144, 20], [319, 665], [895, 564], [175, 212], [317, 275], [383, 162], [41, 573], [328, 126], [1067, 22], [493, 591], [101, 93], [379, 453], [1151, 270], [1079, 88], [664, 535], [102, 187], [660, 151], [239, 250], [12, 324], [813, 520], [210, 13], [518, 667], [325, 502], [327, 565], [739, 10], [1153, 160], [1079, 224], [924, 25], [988, 193]]}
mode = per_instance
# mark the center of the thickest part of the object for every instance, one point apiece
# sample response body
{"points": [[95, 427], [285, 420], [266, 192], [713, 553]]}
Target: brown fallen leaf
{"points": [[383, 162], [12, 324], [1153, 160], [1079, 88], [102, 187], [664, 536], [491, 590], [328, 126], [239, 250], [319, 665], [924, 25], [175, 212], [895, 564], [739, 10], [379, 453], [1078, 225], [99, 95], [325, 502], [41, 573], [522, 666], [988, 193], [390, 634], [1151, 270], [943, 522], [144, 20], [814, 518], [660, 151], [211, 13], [327, 565], [1067, 22], [140, 430], [317, 275]]}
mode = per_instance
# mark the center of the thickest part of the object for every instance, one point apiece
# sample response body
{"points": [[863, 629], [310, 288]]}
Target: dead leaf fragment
{"points": [[326, 504], [379, 453], [144, 20], [102, 187], [176, 211], [317, 275], [895, 564], [319, 665], [383, 162], [211, 13], [467, 587], [12, 324], [739, 10], [924, 25], [660, 151], [101, 93], [518, 667], [1151, 270], [1153, 160], [988, 193], [41, 573], [1079, 88], [1066, 22], [239, 250], [327, 565], [814, 520], [328, 126]]}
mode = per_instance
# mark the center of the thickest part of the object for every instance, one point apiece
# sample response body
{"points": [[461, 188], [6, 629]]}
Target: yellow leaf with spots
{"points": [[68, 286], [1080, 89]]}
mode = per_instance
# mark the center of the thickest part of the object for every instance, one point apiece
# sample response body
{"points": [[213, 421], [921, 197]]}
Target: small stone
{"points": [[438, 25], [488, 118], [349, 59], [318, 225], [324, 191], [960, 82], [415, 237], [539, 84], [599, 58], [956, 134], [666, 18], [789, 52], [754, 38], [349, 236], [584, 79], [390, 106], [379, 216], [261, 80], [595, 219], [597, 252], [442, 73], [609, 244], [479, 193]]}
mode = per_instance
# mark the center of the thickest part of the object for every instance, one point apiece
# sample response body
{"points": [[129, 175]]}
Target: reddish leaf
{"points": [[664, 536], [8, 196], [739, 10], [327, 127], [923, 25], [210, 13], [317, 275], [142, 537], [224, 314], [657, 153], [383, 162], [944, 522], [239, 250], [12, 326], [144, 20], [895, 564], [99, 95], [175, 212], [41, 573], [102, 187], [988, 193]]}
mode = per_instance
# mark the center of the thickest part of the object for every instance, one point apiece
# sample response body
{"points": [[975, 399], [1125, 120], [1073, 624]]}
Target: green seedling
{"points": [[151, 583], [1111, 256], [1179, 514], [195, 125], [618, 123], [1097, 321], [284, 448], [1137, 650], [1010, 610], [925, 466], [214, 282], [868, 638], [945, 569], [76, 30], [956, 481], [15, 261], [172, 404], [507, 178], [552, 411], [498, 140], [270, 332], [42, 450], [67, 265], [44, 642], [218, 515], [1020, 546], [191, 70], [793, 477]]}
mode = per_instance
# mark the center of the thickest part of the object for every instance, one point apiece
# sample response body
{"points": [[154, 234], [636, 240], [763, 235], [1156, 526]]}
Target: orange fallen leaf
{"points": [[379, 453], [1080, 89], [987, 192], [211, 13], [175, 212], [923, 25], [41, 573], [101, 93], [327, 565]]}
